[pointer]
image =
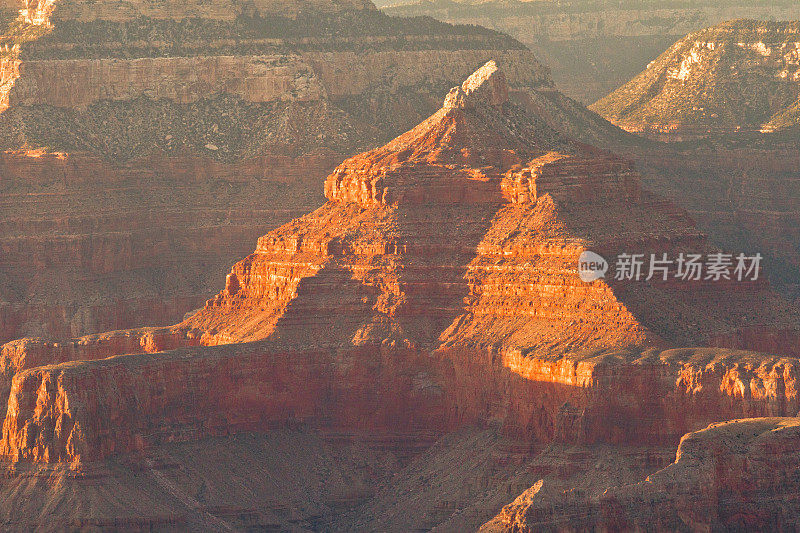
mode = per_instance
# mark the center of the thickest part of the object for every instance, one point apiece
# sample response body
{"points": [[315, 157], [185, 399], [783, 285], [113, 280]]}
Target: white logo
{"points": [[591, 266]]}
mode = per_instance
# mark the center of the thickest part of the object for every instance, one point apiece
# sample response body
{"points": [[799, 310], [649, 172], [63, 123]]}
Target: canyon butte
{"points": [[145, 146], [420, 352]]}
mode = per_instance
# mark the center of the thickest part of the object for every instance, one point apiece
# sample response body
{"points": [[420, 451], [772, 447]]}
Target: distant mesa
{"points": [[594, 46], [740, 76]]}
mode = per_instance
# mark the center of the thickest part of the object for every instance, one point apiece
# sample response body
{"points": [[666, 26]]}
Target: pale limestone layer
{"points": [[73, 83], [301, 77]]}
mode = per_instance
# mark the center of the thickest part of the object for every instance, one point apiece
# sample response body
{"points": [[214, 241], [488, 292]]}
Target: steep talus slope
{"points": [[740, 75], [145, 148], [293, 479], [594, 46]]}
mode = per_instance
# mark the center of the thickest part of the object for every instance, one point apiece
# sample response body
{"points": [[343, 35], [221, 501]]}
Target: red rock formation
{"points": [[438, 287], [136, 168], [738, 475], [89, 246]]}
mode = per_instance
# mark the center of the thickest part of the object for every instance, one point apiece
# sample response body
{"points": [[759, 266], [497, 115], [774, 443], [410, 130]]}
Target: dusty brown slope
{"points": [[739, 475]]}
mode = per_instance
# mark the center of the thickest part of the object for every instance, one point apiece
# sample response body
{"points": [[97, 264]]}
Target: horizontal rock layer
{"points": [[301, 77], [745, 197], [87, 246], [225, 10], [89, 410]]}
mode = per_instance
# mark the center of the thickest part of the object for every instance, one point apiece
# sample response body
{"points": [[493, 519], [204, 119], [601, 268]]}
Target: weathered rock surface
{"points": [[738, 475], [437, 288], [744, 195], [594, 47], [294, 478], [116, 122], [742, 75]]}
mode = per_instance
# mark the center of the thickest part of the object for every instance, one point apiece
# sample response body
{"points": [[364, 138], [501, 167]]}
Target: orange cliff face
{"points": [[135, 169], [436, 288]]}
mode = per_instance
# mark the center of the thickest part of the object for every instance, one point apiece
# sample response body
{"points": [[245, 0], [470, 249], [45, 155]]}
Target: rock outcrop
{"points": [[594, 47], [146, 146], [738, 475], [438, 287], [742, 75]]}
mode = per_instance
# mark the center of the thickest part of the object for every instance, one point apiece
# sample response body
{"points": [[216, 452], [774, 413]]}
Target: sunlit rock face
{"points": [[740, 76], [438, 287], [147, 145]]}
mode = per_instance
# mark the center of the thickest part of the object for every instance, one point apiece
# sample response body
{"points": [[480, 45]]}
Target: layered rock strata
{"points": [[744, 195], [146, 147], [436, 288]]}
